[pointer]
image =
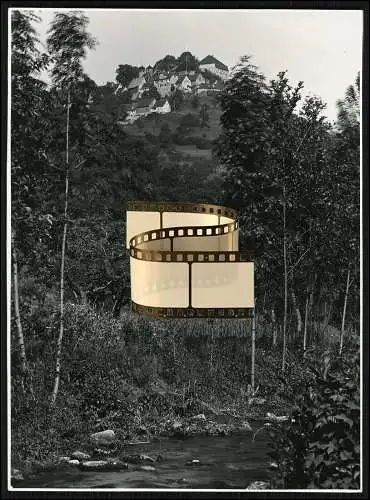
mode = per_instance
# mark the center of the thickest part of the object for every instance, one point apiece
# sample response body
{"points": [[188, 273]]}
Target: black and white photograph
{"points": [[184, 252]]}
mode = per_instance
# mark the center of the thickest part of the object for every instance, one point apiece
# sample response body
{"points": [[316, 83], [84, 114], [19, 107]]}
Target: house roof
{"points": [[119, 87], [164, 76], [192, 78], [160, 103], [145, 102], [181, 79], [218, 85], [204, 86], [212, 60], [136, 82]]}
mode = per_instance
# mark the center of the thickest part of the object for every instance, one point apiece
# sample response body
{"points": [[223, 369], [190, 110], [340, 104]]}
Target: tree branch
{"points": [[298, 261]]}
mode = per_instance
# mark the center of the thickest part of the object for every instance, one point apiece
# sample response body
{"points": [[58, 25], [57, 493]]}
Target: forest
{"points": [[82, 361]]}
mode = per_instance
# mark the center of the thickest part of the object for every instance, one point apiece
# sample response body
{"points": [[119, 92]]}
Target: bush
{"points": [[189, 121], [319, 446]]}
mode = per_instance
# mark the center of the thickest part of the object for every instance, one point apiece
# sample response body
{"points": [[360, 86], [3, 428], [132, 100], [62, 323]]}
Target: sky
{"points": [[322, 48]]}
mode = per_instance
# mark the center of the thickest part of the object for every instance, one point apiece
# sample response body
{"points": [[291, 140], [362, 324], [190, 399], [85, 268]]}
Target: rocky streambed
{"points": [[188, 453]]}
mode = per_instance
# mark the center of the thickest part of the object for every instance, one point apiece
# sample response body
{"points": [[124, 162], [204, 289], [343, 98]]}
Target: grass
{"points": [[194, 152]]}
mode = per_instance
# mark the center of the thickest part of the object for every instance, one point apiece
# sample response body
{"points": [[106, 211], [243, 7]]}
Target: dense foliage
{"points": [[319, 446], [277, 158]]}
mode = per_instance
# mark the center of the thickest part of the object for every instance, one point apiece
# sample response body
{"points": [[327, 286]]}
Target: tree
{"points": [[195, 101], [188, 122], [125, 73], [166, 64], [349, 108], [346, 199], [164, 134], [187, 62], [210, 77], [204, 116], [68, 41], [274, 161], [176, 100], [29, 137]]}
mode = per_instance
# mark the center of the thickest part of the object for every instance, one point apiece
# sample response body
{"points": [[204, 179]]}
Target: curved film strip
{"points": [[185, 261]]}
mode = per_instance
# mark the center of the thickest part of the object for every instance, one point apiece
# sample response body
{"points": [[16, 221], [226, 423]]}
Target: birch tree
{"points": [[68, 42], [28, 165]]}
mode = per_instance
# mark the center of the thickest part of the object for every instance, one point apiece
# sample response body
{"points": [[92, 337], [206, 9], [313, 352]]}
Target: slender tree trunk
{"points": [[20, 337], [61, 325], [305, 322], [26, 374], [285, 284], [344, 311], [253, 369], [274, 326], [264, 303], [298, 314], [311, 308]]}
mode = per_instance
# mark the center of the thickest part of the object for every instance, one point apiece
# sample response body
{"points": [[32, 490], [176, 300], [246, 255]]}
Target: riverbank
{"points": [[233, 461], [128, 440]]}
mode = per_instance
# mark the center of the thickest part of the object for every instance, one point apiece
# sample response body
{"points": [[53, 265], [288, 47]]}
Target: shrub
{"points": [[319, 446], [189, 121]]}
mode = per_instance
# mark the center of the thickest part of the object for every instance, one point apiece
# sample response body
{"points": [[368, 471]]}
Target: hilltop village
{"points": [[153, 90]]}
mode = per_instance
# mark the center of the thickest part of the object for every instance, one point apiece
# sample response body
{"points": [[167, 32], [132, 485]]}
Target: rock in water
{"points": [[258, 485], [103, 438], [182, 480], [137, 459], [192, 463], [148, 468], [99, 451], [146, 458], [16, 475], [103, 465], [80, 455]]}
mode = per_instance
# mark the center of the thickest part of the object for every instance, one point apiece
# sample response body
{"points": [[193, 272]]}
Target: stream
{"points": [[227, 462]]}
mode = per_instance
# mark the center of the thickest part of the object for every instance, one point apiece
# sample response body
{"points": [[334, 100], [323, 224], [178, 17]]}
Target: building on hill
{"points": [[210, 89], [215, 66], [164, 83], [135, 87], [137, 82], [144, 106], [148, 87], [184, 83], [131, 115], [162, 106], [196, 79], [118, 89], [203, 89], [218, 86]]}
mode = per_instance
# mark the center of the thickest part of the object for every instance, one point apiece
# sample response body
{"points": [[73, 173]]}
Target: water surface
{"points": [[229, 462]]}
